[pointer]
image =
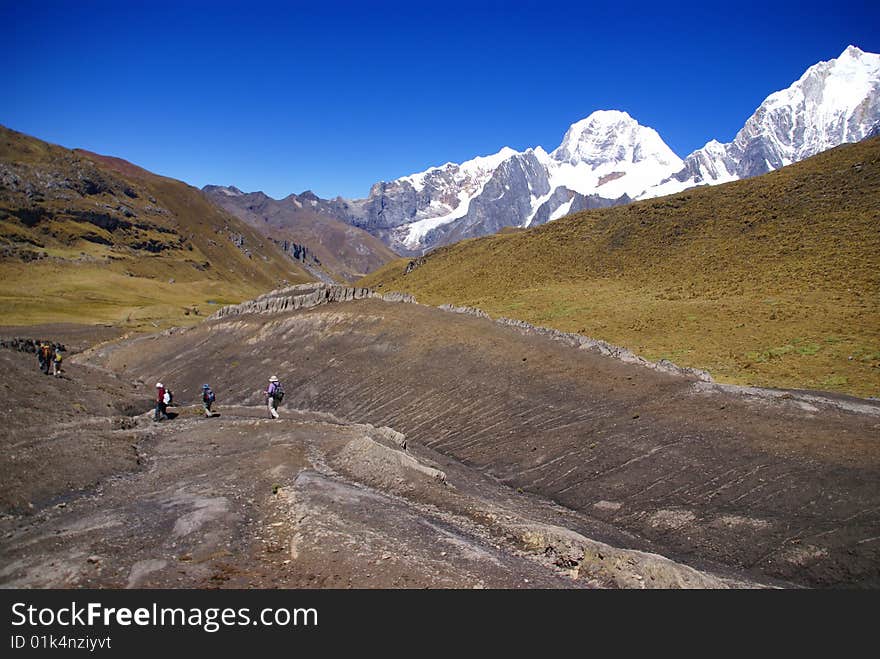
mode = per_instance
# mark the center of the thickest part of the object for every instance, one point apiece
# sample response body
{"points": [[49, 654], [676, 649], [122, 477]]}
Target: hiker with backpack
{"points": [[274, 394], [56, 362], [208, 399], [163, 397], [45, 356], [40, 357]]}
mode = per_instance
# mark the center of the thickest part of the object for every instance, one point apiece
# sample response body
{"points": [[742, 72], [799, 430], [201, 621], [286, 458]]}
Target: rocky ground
{"points": [[62, 435], [515, 461], [243, 501], [239, 500]]}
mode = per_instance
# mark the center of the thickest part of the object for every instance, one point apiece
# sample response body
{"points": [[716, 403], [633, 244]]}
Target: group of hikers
{"points": [[49, 357], [274, 394]]}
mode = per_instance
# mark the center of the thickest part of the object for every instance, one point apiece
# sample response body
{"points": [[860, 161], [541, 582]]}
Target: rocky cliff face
{"points": [[833, 103], [506, 199], [432, 197], [564, 201]]}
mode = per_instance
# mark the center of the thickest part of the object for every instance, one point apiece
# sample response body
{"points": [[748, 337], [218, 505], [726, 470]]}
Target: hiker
{"points": [[161, 405], [40, 357], [274, 394], [45, 357], [56, 362], [208, 399]]}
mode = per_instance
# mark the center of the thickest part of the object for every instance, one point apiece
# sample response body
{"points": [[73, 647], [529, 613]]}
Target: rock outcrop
{"points": [[305, 296]]}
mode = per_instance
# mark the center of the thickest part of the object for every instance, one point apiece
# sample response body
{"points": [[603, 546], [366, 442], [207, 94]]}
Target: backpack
{"points": [[211, 397], [169, 397], [279, 392]]}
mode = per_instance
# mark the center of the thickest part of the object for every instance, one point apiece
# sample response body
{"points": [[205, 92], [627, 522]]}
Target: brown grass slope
{"points": [[345, 252], [88, 238], [771, 281]]}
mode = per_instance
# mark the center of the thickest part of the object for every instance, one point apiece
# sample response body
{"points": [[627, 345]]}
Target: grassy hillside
{"points": [[772, 281], [88, 238], [346, 252]]}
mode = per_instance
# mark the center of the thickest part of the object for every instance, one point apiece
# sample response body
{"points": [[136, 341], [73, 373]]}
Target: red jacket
{"points": [[160, 394]]}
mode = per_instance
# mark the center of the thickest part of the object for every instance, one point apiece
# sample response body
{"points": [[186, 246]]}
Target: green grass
{"points": [[124, 281], [91, 294], [771, 281]]}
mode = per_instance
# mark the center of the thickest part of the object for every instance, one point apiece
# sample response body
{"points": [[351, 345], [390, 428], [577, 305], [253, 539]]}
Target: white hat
{"points": [[273, 379], [158, 384]]}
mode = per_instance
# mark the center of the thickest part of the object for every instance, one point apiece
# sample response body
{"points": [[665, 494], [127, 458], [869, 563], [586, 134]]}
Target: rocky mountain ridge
{"points": [[311, 230], [833, 103], [608, 159]]}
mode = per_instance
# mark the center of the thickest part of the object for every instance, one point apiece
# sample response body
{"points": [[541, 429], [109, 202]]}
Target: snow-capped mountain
{"points": [[421, 202], [833, 103], [612, 151], [603, 159], [609, 158]]}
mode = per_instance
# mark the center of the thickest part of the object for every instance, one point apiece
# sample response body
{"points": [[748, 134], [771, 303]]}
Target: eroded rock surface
{"points": [[242, 501], [418, 447]]}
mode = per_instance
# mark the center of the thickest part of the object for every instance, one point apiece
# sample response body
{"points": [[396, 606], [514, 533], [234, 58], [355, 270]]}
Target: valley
{"points": [[428, 447], [599, 366], [310, 230]]}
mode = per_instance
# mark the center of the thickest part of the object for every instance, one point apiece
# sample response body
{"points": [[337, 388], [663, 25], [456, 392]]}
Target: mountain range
{"points": [[309, 230], [106, 232], [608, 159]]}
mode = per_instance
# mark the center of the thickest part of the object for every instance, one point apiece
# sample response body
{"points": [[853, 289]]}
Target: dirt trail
{"points": [[774, 488]]}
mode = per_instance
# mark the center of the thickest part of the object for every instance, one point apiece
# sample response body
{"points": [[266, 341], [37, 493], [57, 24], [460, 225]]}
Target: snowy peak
{"points": [[611, 155], [832, 103], [853, 60], [612, 136], [476, 169], [608, 158], [489, 163]]}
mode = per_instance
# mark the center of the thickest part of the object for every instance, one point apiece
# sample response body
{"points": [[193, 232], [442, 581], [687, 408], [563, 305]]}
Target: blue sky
{"points": [[331, 96]]}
